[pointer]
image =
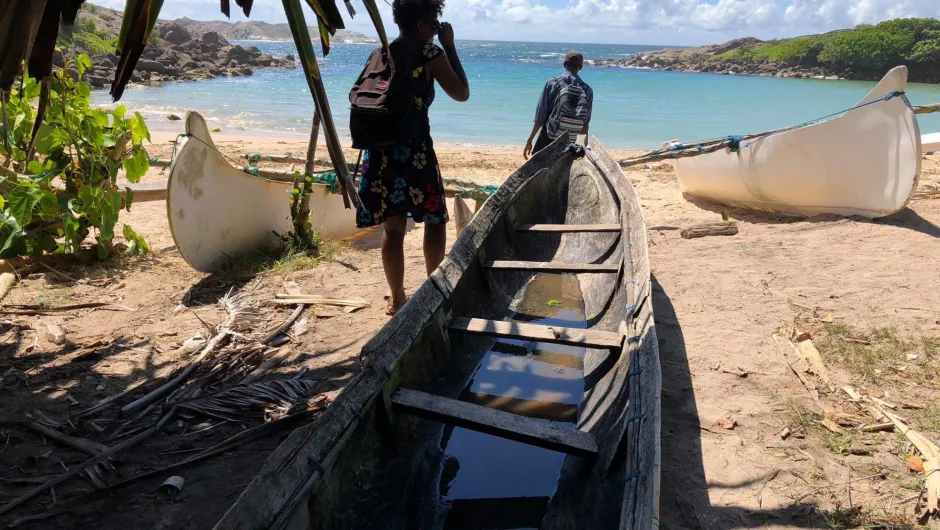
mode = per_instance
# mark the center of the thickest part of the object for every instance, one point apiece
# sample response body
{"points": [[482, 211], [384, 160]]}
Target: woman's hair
{"points": [[407, 13]]}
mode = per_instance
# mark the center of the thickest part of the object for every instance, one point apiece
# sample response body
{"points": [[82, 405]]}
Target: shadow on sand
{"points": [[906, 218], [684, 497]]}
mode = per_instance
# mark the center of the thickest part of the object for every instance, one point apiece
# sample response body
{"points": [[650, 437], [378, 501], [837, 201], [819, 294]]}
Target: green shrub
{"points": [[80, 146], [87, 36], [867, 47]]}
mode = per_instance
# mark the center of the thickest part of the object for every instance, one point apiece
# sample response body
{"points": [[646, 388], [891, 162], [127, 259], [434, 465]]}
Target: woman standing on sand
{"points": [[406, 181]]}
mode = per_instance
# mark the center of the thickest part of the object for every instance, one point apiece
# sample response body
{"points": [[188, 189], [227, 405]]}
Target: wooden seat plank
{"points": [[551, 266], [569, 228], [587, 338], [538, 433]]}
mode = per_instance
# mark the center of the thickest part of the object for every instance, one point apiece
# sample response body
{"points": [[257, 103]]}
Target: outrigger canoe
{"points": [[864, 162], [532, 343], [217, 211]]}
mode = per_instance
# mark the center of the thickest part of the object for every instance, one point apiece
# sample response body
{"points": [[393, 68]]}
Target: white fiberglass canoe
{"points": [[931, 142], [865, 162], [217, 211]]}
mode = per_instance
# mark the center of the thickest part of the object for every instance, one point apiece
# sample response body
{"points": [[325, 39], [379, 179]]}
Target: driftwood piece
{"points": [[719, 228], [291, 299], [86, 446], [7, 279]]}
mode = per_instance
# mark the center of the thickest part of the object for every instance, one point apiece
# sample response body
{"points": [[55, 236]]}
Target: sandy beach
{"points": [[718, 301]]}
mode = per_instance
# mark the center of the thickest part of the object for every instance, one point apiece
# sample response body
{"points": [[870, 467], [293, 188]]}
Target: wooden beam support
{"points": [[569, 228], [529, 431], [551, 266], [553, 334]]}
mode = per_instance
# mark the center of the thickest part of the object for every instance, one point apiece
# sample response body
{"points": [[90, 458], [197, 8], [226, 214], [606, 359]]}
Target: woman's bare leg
{"points": [[393, 260], [435, 241]]}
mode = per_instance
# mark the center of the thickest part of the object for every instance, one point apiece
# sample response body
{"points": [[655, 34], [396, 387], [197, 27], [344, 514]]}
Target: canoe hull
{"points": [[217, 211], [377, 467], [865, 162]]}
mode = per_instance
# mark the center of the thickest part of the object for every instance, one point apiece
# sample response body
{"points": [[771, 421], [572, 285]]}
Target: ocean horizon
{"points": [[633, 108]]}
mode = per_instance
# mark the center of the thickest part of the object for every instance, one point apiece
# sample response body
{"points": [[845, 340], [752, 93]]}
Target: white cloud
{"points": [[623, 21]]}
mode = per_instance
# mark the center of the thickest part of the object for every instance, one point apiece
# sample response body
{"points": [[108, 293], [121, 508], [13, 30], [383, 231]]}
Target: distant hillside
{"points": [[260, 30], [864, 53], [182, 49]]}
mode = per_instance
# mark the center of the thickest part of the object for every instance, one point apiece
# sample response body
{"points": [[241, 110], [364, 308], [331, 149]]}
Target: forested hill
{"points": [[865, 53]]}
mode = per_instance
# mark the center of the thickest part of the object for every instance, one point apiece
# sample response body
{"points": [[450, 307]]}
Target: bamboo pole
{"points": [[300, 206], [308, 59]]}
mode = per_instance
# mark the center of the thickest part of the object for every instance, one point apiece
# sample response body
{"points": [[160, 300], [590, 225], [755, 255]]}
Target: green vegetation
{"points": [[87, 37], [77, 145], [880, 351], [912, 41]]}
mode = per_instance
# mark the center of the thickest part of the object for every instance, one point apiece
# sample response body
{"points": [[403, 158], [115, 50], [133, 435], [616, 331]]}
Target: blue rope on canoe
{"points": [[888, 97], [329, 180]]}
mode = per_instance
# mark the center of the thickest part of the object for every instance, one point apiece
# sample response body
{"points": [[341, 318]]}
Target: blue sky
{"points": [[678, 22]]}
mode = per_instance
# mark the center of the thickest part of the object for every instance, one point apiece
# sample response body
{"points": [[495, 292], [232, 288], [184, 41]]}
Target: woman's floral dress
{"points": [[406, 180]]}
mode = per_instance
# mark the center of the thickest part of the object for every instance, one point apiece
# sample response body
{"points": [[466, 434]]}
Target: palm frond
{"points": [[243, 313], [376, 17], [19, 23], [250, 401], [140, 16]]}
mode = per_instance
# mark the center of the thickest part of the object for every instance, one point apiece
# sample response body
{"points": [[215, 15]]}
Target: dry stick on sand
{"points": [[275, 359], [286, 325], [55, 481]]}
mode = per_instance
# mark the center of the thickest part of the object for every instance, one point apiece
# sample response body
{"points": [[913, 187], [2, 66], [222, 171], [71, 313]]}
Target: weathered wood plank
{"points": [[553, 334], [569, 228], [529, 431], [551, 266]]}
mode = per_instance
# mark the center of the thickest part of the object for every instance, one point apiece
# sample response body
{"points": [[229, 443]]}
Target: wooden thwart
{"points": [[554, 334], [551, 266], [569, 228], [495, 422]]}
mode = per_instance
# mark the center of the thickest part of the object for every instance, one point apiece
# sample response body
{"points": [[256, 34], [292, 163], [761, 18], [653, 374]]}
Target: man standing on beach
{"points": [[564, 108]]}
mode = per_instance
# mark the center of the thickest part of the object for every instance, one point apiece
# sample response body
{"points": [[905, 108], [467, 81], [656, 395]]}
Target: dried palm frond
{"points": [[328, 21], [19, 22], [244, 4], [927, 191], [140, 16], [250, 401], [243, 313]]}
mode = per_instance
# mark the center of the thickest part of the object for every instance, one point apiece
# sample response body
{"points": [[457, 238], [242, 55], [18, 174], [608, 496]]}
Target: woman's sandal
{"points": [[390, 310]]}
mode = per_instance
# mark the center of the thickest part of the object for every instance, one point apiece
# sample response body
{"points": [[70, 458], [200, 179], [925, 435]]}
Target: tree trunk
{"points": [[300, 209]]}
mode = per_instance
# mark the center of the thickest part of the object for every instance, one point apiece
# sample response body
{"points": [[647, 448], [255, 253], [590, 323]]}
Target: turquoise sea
{"points": [[632, 107]]}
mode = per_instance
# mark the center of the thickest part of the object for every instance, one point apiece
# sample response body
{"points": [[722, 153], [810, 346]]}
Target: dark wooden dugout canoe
{"points": [[374, 458]]}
